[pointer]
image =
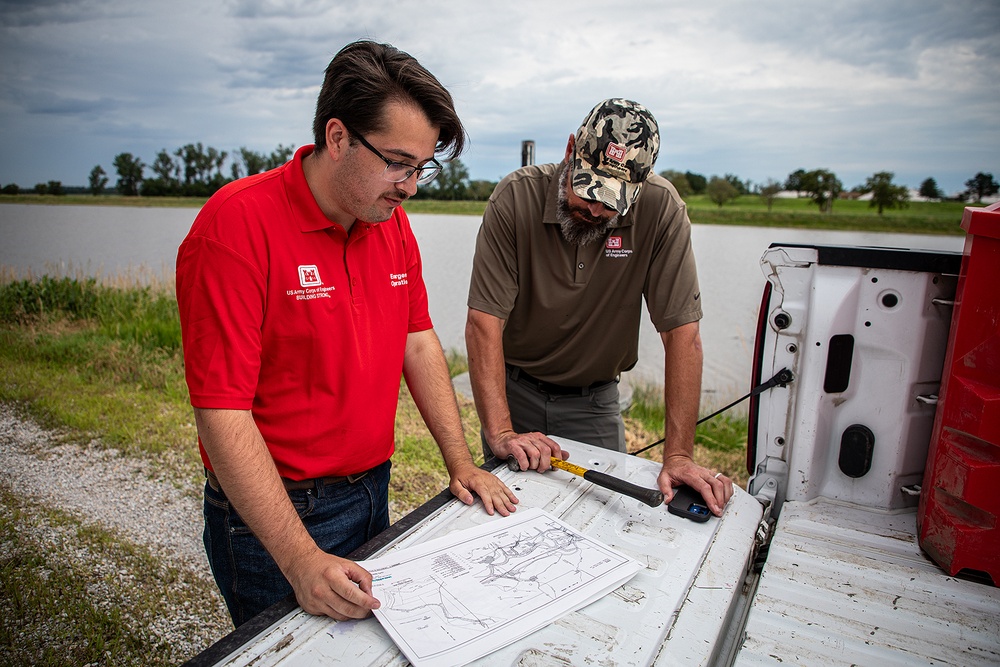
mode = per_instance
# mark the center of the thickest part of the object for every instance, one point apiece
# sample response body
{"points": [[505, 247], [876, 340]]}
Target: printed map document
{"points": [[460, 597]]}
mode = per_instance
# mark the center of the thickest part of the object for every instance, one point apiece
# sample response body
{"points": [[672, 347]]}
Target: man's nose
{"points": [[409, 184], [597, 209]]}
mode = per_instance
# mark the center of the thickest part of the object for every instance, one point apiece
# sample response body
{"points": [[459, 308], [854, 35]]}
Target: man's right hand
{"points": [[326, 585], [533, 451], [484, 342]]}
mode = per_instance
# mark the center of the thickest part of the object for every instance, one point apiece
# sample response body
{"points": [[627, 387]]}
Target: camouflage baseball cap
{"points": [[616, 147]]}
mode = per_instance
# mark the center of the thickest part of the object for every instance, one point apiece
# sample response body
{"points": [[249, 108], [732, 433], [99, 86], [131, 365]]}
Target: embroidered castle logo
{"points": [[615, 152], [309, 275], [613, 248], [311, 285]]}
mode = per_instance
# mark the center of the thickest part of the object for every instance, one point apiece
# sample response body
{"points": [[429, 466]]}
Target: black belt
{"points": [[518, 375], [298, 485]]}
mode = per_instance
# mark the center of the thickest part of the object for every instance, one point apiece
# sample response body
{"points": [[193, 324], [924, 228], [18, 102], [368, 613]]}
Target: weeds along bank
{"points": [[104, 358], [101, 559]]}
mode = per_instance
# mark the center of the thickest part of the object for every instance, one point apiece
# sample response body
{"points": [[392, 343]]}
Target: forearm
{"points": [[247, 474], [484, 344], [683, 358], [427, 377], [428, 380]]}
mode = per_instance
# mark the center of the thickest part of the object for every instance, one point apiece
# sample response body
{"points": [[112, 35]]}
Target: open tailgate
{"points": [[675, 611]]}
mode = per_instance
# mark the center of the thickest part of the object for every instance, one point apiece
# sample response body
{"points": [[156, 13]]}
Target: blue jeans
{"points": [[340, 517]]}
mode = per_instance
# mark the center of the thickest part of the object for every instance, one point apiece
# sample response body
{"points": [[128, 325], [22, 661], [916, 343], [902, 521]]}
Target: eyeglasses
{"points": [[397, 172]]}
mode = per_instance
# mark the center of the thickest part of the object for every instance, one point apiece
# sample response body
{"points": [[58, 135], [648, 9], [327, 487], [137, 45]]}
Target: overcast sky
{"points": [[757, 89]]}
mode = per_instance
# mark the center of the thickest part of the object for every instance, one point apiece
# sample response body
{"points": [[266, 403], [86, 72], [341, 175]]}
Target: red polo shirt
{"points": [[284, 314]]}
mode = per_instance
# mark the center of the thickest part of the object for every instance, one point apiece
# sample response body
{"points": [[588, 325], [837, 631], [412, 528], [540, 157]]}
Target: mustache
{"points": [[399, 194], [585, 215]]}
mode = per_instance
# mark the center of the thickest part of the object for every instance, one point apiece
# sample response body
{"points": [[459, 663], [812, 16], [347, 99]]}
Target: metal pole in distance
{"points": [[527, 153]]}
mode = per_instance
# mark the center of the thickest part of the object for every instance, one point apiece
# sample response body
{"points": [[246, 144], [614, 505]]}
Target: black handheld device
{"points": [[689, 504]]}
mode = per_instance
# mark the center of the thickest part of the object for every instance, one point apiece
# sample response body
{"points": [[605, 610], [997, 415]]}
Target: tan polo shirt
{"points": [[572, 314]]}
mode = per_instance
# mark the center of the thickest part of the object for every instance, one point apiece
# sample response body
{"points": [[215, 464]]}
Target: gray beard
{"points": [[577, 232]]}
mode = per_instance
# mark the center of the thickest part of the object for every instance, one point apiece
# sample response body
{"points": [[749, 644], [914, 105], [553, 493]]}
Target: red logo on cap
{"points": [[615, 152]]}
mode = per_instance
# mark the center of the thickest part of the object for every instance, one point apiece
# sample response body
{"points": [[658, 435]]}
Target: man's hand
{"points": [[533, 451], [715, 488], [484, 341], [326, 585], [469, 479]]}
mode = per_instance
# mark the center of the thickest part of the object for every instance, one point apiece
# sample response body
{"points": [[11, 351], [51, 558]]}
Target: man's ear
{"points": [[337, 137], [570, 145]]}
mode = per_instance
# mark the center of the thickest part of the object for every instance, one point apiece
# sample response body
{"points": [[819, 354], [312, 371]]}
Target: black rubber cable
{"points": [[780, 379]]}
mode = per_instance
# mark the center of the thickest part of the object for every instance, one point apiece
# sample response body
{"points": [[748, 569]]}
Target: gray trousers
{"points": [[592, 416]]}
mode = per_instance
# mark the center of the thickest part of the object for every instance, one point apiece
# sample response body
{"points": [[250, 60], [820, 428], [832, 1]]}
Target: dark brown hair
{"points": [[365, 75]]}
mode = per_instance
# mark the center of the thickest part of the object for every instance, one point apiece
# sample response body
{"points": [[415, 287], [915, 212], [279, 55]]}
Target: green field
{"points": [[850, 215]]}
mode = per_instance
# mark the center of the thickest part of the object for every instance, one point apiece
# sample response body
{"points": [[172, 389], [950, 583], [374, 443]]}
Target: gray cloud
{"points": [[757, 89]]}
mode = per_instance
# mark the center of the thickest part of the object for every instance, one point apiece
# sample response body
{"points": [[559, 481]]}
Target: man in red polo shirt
{"points": [[302, 302]]}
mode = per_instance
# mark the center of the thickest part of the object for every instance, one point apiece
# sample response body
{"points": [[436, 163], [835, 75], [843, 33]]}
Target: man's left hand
{"points": [[495, 495], [715, 488]]}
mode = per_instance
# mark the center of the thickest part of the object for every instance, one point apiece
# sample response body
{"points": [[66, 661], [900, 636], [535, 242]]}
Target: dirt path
{"points": [[127, 497]]}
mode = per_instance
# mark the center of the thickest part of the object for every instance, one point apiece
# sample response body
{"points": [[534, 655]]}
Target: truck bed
{"points": [[841, 452], [844, 585]]}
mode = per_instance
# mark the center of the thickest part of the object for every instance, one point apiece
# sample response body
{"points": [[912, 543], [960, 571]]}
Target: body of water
{"points": [[110, 241]]}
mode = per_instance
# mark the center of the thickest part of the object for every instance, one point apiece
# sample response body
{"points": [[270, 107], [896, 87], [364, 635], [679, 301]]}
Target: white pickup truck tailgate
{"points": [[673, 612]]}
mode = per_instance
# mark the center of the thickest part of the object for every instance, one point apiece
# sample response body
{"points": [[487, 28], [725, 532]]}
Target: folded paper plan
{"points": [[460, 597]]}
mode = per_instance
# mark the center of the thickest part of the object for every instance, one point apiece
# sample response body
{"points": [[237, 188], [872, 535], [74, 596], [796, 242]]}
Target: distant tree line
{"points": [[194, 170], [453, 183], [823, 187]]}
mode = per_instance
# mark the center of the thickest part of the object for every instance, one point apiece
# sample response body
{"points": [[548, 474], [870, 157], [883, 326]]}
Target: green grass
{"points": [[458, 363], [754, 203], [720, 442], [104, 200], [441, 207], [101, 398], [100, 360], [850, 215]]}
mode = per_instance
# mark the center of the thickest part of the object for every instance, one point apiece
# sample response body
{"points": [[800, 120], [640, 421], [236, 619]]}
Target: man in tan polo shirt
{"points": [[565, 256]]}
